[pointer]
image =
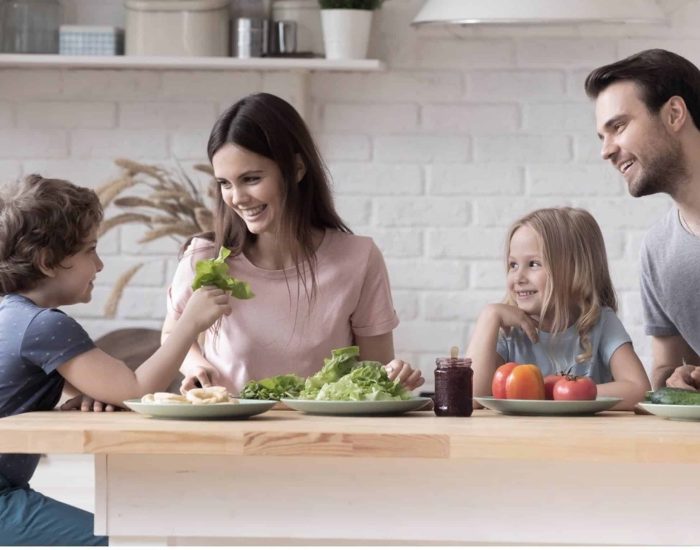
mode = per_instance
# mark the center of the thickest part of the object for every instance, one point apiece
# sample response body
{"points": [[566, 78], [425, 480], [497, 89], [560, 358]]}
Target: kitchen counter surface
{"points": [[605, 437], [287, 478]]}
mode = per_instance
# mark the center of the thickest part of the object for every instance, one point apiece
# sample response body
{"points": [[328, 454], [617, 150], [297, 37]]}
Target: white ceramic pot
{"points": [[346, 33], [177, 27]]}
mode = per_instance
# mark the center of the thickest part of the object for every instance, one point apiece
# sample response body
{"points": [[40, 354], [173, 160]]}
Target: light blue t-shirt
{"points": [[553, 354]]}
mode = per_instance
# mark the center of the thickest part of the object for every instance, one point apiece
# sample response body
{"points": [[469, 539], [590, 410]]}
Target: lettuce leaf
{"points": [[275, 387], [215, 273], [342, 378], [342, 360], [367, 381]]}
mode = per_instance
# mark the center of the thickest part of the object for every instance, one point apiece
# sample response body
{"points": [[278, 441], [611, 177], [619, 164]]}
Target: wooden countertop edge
{"points": [[356, 445], [609, 437]]}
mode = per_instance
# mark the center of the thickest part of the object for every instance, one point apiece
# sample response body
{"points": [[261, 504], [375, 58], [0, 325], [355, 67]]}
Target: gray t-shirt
{"points": [[34, 342], [670, 281], [555, 353]]}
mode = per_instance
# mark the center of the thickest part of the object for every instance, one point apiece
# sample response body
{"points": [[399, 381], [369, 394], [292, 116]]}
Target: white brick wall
{"points": [[64, 114], [467, 129]]}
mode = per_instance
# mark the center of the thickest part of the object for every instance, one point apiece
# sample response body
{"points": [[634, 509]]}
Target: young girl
{"points": [[317, 286], [48, 259], [560, 309]]}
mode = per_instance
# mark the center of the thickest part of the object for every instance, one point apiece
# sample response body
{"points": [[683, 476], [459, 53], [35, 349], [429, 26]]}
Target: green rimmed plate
{"points": [[673, 412], [356, 408], [243, 409], [536, 407]]}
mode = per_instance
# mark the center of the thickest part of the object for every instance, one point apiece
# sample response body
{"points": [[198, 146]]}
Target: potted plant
{"points": [[346, 27]]}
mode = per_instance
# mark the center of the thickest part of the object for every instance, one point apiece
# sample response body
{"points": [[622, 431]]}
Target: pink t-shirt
{"points": [[269, 335]]}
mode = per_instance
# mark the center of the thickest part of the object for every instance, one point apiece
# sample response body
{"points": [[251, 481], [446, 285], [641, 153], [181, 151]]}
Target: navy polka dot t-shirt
{"points": [[34, 342]]}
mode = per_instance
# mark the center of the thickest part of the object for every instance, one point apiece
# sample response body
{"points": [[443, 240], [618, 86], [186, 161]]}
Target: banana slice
{"points": [[163, 398], [209, 396]]}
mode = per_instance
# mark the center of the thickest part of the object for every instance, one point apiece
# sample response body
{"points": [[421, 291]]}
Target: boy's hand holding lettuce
{"points": [[342, 378], [215, 273]]}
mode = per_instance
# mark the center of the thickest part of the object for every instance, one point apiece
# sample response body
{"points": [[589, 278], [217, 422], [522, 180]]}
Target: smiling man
{"points": [[647, 116]]}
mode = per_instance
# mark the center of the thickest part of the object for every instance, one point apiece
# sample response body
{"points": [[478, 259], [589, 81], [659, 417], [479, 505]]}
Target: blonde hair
{"points": [[578, 278]]}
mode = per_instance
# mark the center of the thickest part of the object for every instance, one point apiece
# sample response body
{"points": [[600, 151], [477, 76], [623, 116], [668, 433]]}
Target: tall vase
{"points": [[346, 33]]}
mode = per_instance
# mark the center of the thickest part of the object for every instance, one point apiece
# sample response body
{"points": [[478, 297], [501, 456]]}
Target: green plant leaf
{"points": [[344, 378], [275, 387], [215, 273]]}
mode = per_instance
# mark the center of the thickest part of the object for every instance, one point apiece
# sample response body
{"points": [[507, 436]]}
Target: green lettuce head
{"points": [[367, 381], [341, 363], [345, 378]]}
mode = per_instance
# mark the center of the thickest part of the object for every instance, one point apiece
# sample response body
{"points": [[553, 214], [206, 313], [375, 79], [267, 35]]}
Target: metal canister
{"points": [[284, 37], [250, 37]]}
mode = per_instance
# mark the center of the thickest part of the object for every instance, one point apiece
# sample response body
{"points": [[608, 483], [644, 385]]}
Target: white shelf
{"points": [[28, 61]]}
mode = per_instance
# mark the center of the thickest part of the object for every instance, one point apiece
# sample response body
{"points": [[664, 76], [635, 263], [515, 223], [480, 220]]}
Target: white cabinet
{"points": [[67, 478]]}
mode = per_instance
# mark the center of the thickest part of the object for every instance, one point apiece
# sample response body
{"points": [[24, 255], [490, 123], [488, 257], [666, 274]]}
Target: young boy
{"points": [[48, 259]]}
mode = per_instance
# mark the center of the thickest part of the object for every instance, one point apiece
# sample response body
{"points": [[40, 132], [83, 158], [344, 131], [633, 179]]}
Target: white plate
{"points": [[537, 407], [673, 412], [360, 408], [243, 409]]}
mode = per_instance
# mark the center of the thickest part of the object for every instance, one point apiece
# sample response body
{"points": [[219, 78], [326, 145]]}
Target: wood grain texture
{"points": [[608, 437]]}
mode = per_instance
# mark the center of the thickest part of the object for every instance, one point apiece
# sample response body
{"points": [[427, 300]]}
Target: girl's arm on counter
{"points": [[482, 346], [630, 379]]}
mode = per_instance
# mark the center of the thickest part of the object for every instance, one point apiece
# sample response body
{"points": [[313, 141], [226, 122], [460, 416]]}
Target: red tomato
{"points": [[575, 388], [525, 382], [549, 381], [498, 384]]}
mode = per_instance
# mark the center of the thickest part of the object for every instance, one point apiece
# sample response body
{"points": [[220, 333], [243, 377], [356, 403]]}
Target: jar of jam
{"points": [[453, 386]]}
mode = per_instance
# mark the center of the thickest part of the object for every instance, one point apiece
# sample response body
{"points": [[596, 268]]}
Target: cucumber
{"points": [[673, 396]]}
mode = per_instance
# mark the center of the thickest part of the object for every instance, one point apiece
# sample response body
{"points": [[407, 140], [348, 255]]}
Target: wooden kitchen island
{"points": [[612, 478]]}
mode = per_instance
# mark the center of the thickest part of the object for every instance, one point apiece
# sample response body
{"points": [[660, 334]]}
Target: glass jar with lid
{"points": [[30, 26], [453, 386]]}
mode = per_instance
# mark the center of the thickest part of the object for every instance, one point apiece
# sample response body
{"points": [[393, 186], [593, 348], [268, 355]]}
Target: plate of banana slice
{"points": [[198, 404]]}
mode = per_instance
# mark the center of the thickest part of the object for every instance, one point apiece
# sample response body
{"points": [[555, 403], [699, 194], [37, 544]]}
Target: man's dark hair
{"points": [[42, 222], [658, 74]]}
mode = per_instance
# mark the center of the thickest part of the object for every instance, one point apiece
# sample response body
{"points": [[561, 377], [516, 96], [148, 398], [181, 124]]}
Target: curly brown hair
{"points": [[42, 222]]}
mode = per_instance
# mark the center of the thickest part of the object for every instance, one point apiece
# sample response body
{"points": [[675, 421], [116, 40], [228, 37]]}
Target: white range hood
{"points": [[464, 12]]}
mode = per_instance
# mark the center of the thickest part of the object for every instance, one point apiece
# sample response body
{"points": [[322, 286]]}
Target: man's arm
{"points": [[669, 353]]}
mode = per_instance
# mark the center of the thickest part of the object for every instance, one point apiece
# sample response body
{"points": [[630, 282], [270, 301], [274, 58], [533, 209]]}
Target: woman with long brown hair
{"points": [[317, 286]]}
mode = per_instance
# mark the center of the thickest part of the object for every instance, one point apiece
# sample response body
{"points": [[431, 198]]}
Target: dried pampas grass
{"points": [[172, 206], [116, 294]]}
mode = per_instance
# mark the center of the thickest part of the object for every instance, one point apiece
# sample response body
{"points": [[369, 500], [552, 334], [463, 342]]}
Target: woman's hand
{"points": [[513, 317], [199, 377], [87, 404], [403, 373]]}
